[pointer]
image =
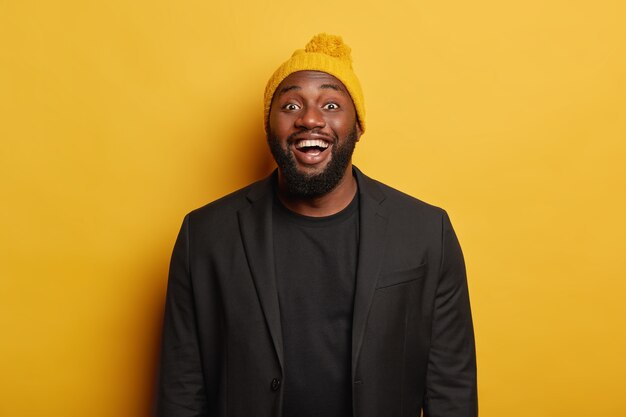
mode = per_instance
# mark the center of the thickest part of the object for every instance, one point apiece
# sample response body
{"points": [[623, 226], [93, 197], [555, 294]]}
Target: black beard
{"points": [[309, 186]]}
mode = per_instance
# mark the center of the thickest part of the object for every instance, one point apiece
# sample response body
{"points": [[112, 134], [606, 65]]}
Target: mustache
{"points": [[318, 132]]}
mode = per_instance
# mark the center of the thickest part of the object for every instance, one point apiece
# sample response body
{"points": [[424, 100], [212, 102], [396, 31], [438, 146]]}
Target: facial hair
{"points": [[304, 185]]}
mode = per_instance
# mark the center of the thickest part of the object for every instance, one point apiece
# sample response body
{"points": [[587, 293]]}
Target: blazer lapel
{"points": [[255, 222], [372, 241]]}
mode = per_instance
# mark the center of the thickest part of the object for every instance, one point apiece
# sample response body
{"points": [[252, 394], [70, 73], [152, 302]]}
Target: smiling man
{"points": [[317, 291]]}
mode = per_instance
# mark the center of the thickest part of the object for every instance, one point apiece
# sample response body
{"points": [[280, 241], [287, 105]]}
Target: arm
{"points": [[451, 377], [181, 387]]}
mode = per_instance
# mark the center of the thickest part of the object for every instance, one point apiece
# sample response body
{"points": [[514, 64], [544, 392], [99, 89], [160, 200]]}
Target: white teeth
{"points": [[313, 142]]}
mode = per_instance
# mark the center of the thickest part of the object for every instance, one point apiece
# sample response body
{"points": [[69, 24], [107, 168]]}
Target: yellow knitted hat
{"points": [[326, 53]]}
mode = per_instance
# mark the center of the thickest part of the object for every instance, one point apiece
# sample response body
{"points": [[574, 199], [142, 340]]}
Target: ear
{"points": [[359, 131]]}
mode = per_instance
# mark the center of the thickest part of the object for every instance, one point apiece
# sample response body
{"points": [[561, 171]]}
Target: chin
{"points": [[311, 171]]}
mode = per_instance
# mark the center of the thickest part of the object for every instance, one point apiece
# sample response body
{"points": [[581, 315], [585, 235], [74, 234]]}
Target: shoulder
{"points": [[225, 208], [396, 201]]}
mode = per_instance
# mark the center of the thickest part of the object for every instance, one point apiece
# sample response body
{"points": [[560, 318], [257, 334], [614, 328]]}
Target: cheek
{"points": [[343, 124], [278, 123]]}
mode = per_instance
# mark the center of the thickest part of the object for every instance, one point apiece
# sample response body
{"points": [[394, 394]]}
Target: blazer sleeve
{"points": [[451, 387], [181, 389]]}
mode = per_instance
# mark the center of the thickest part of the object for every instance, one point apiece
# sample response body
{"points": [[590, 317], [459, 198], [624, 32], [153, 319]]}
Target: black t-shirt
{"points": [[316, 260]]}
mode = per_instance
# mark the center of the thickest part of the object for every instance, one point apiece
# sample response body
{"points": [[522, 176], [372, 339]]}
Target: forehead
{"points": [[310, 80]]}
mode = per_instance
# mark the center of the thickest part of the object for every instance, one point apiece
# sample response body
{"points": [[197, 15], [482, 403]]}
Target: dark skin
{"points": [[314, 106]]}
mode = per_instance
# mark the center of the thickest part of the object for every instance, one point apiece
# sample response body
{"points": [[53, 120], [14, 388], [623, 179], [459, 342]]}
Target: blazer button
{"points": [[275, 384]]}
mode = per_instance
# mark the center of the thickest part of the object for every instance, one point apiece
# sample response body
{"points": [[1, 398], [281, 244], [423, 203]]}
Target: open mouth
{"points": [[311, 146]]}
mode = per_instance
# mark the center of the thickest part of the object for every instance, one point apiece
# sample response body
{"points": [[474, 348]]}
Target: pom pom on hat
{"points": [[326, 53], [331, 45]]}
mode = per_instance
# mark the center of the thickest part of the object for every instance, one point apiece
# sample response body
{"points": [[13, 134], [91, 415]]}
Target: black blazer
{"points": [[412, 336]]}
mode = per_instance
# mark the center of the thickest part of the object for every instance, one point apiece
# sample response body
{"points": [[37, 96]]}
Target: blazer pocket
{"points": [[401, 277]]}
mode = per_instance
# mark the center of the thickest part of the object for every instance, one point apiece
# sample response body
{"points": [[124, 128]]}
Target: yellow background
{"points": [[118, 117]]}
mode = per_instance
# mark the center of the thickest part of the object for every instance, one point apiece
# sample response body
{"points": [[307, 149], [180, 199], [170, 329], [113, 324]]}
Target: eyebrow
{"points": [[335, 87], [288, 88]]}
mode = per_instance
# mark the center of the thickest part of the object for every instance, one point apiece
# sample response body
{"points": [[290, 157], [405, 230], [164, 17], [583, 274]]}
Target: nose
{"points": [[310, 118]]}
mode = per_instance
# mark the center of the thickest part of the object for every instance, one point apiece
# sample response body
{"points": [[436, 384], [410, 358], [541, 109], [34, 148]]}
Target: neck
{"points": [[325, 205]]}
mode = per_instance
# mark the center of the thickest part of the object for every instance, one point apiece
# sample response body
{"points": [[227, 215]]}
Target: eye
{"points": [[291, 107], [331, 106]]}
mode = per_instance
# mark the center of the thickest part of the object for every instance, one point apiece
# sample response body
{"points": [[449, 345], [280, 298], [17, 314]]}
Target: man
{"points": [[317, 291]]}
